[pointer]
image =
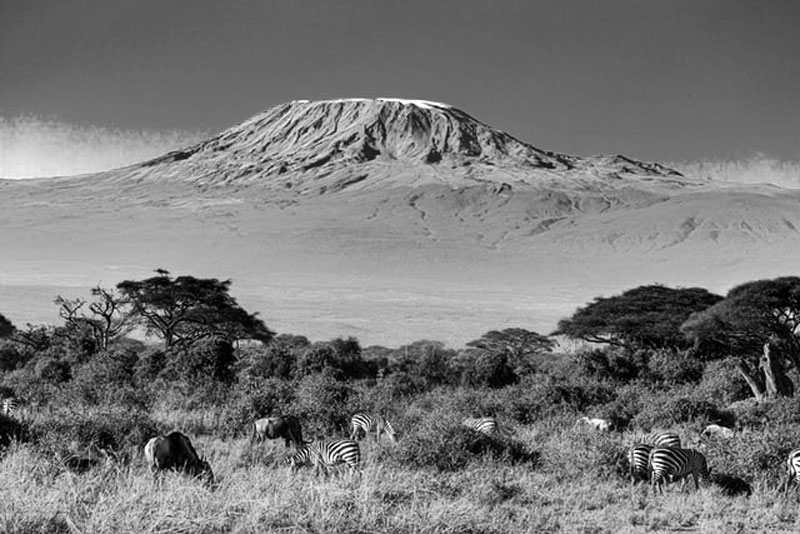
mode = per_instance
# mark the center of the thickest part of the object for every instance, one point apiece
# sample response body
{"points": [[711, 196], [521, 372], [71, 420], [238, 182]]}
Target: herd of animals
{"points": [[657, 457], [175, 451]]}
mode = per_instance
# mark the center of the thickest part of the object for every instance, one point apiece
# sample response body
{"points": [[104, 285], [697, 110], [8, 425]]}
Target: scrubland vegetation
{"points": [[89, 397]]}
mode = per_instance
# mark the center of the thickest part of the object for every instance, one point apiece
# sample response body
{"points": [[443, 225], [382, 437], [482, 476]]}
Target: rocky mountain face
{"points": [[329, 146], [392, 220]]}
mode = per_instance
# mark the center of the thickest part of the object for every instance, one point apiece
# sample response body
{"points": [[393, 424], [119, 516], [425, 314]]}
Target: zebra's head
{"points": [[301, 456]]}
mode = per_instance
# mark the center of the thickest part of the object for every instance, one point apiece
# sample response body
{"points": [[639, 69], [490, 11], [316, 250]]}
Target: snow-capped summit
{"points": [[329, 145]]}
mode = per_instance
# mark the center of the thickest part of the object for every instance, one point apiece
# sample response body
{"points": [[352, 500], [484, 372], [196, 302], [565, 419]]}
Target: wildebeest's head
{"points": [[205, 472]]}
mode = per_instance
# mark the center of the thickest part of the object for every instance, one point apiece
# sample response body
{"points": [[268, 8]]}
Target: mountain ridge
{"points": [[315, 147]]}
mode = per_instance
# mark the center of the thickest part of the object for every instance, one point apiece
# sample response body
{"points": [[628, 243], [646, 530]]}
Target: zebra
{"points": [[658, 439], [484, 425], [675, 463], [792, 469], [639, 453], [370, 423], [324, 454], [9, 406], [639, 458]]}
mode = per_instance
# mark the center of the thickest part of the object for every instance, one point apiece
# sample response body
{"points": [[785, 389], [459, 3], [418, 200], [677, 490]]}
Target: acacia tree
{"points": [[518, 345], [646, 317], [758, 325], [184, 309], [107, 321]]}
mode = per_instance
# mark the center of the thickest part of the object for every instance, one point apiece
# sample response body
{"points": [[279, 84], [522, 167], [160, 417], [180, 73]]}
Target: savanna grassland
{"points": [[88, 397], [572, 489]]}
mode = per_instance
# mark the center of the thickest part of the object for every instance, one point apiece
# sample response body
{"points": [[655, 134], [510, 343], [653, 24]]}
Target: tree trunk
{"points": [[777, 383], [753, 380]]}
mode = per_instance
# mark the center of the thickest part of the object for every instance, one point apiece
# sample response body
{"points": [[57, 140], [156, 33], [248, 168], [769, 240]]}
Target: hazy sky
{"points": [[660, 81]]}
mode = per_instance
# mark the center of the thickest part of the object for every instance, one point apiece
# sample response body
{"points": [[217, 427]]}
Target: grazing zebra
{"points": [[10, 404], [325, 454], [659, 439], [674, 463], [484, 425], [639, 458], [370, 423], [792, 468]]}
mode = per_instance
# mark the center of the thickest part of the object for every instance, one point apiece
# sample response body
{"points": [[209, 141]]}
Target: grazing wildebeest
{"points": [[175, 452], [731, 485], [282, 426]]}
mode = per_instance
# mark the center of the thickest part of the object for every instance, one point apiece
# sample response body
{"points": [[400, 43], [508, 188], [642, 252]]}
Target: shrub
{"points": [[276, 360], [108, 379], [206, 362], [340, 357], [578, 451], [675, 366], [481, 368], [149, 366], [12, 430], [53, 370], [610, 364], [755, 455], [539, 397], [447, 446], [255, 399], [116, 431], [667, 410], [321, 401], [722, 383], [10, 357], [767, 414]]}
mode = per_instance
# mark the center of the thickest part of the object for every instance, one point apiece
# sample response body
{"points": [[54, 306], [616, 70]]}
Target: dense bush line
{"points": [[87, 387]]}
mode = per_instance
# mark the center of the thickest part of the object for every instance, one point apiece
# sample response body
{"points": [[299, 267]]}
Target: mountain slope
{"points": [[318, 147], [390, 220]]}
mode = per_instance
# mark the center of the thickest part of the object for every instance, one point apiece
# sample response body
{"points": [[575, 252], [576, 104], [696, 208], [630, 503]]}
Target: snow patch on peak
{"points": [[423, 104]]}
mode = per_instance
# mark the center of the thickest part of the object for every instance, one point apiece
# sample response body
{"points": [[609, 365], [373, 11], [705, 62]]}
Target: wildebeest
{"points": [[731, 485], [175, 452], [282, 426]]}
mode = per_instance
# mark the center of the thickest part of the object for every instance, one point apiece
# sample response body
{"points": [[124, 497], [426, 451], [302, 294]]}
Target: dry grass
{"points": [[257, 493]]}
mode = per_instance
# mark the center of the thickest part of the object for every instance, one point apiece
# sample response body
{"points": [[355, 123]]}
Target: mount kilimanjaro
{"points": [[391, 220]]}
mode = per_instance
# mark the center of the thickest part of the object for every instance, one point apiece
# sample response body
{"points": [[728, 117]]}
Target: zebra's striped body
{"points": [[672, 463], [9, 406], [370, 423], [659, 439], [639, 458], [793, 468], [484, 425], [324, 454]]}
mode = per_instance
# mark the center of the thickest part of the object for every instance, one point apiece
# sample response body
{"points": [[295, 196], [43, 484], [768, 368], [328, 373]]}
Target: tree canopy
{"points": [[184, 309], [107, 319], [6, 328], [643, 317], [759, 324]]}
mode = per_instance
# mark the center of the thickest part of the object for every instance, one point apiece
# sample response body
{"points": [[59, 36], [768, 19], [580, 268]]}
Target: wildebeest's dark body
{"points": [[175, 452], [282, 426]]}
